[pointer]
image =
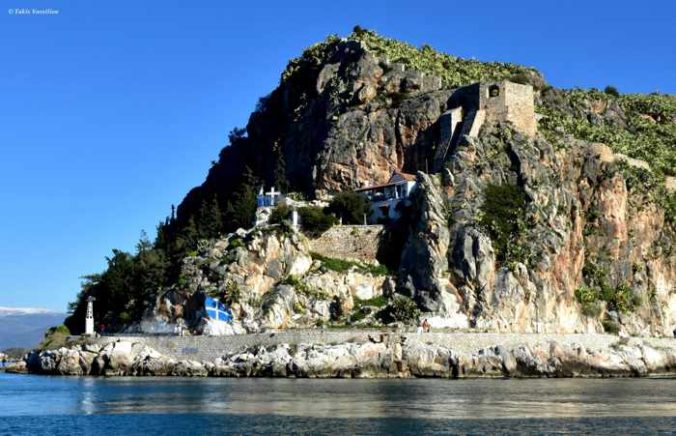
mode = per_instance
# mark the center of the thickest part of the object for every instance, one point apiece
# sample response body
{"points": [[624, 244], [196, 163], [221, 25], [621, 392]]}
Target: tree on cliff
{"points": [[123, 290], [241, 208], [209, 219], [350, 207]]}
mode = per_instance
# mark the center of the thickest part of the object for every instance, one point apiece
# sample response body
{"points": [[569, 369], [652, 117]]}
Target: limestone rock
{"points": [[423, 258]]}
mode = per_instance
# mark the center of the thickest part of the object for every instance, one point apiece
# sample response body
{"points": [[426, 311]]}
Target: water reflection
{"points": [[87, 403], [442, 399], [404, 399]]}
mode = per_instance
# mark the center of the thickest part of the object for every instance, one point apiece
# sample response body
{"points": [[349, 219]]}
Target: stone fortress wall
{"points": [[509, 102], [473, 105]]}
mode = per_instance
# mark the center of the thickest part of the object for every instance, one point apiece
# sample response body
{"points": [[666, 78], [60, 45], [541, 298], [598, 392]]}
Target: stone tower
{"points": [[509, 102], [473, 105]]}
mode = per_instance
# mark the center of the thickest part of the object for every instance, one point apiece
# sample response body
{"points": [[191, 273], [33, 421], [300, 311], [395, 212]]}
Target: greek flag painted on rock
{"points": [[217, 310]]}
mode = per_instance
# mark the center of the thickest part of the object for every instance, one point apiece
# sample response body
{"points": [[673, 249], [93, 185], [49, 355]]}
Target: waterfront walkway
{"points": [[208, 348]]}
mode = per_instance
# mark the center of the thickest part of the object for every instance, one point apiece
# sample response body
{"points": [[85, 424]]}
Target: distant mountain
{"points": [[25, 327]]}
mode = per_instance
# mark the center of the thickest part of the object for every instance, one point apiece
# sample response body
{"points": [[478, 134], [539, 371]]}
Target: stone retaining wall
{"points": [[349, 242], [208, 348]]}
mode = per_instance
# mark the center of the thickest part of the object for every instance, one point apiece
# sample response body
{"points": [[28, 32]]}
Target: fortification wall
{"points": [[349, 242], [520, 104], [514, 103]]}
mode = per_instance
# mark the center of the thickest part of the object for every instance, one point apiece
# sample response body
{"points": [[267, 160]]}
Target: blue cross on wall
{"points": [[217, 310]]}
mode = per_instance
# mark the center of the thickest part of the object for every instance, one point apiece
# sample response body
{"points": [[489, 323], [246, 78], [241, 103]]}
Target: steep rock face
{"points": [[423, 259], [579, 226], [532, 234], [584, 223], [423, 270], [268, 279], [343, 117], [381, 116]]}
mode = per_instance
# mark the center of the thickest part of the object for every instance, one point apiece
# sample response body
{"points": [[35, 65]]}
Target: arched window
{"points": [[493, 91]]}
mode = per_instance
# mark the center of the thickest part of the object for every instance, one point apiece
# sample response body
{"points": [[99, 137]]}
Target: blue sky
{"points": [[111, 111]]}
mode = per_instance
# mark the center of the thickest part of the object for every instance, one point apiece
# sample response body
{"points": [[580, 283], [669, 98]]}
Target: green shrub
{"points": [[502, 216], [303, 288], [182, 282], [232, 293], [342, 265], [235, 242], [521, 78], [611, 90], [314, 221], [62, 329], [404, 309], [611, 326], [590, 301], [359, 314], [620, 298], [350, 206], [297, 196], [452, 70], [376, 270], [379, 301], [279, 214], [649, 134], [55, 337], [124, 318], [333, 264]]}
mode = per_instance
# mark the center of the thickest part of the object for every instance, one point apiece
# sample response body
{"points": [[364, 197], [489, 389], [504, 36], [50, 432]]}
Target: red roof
{"points": [[406, 176], [396, 178]]}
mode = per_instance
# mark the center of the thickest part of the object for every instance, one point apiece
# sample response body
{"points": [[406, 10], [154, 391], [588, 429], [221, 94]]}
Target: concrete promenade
{"points": [[208, 348]]}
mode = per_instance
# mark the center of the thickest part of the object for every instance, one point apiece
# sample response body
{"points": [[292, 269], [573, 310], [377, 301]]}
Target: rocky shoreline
{"points": [[388, 356]]}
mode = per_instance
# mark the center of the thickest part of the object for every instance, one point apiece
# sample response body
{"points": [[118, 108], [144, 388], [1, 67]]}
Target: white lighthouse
{"points": [[294, 220], [89, 320]]}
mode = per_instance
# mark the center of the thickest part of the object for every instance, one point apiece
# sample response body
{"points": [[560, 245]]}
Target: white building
{"points": [[89, 318], [386, 197]]}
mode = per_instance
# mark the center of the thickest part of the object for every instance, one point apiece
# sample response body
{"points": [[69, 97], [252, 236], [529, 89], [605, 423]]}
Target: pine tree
{"points": [[209, 219], [279, 176], [240, 210], [187, 238]]}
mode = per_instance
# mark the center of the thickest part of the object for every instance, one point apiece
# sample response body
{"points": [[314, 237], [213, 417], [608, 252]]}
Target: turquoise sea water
{"points": [[65, 405]]}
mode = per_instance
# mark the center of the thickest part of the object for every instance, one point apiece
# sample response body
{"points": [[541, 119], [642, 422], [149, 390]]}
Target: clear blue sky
{"points": [[111, 111]]}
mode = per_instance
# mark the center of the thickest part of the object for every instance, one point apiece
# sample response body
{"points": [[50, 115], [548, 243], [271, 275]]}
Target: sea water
{"points": [[72, 405]]}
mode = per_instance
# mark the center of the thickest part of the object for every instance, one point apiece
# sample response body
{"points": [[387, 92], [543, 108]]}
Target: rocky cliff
{"points": [[270, 280], [570, 229]]}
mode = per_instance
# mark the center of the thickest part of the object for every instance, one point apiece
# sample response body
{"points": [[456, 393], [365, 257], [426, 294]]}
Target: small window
{"points": [[494, 91]]}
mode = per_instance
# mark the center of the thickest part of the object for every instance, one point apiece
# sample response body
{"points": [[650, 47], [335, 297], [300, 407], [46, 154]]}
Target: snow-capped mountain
{"points": [[23, 311], [24, 327]]}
